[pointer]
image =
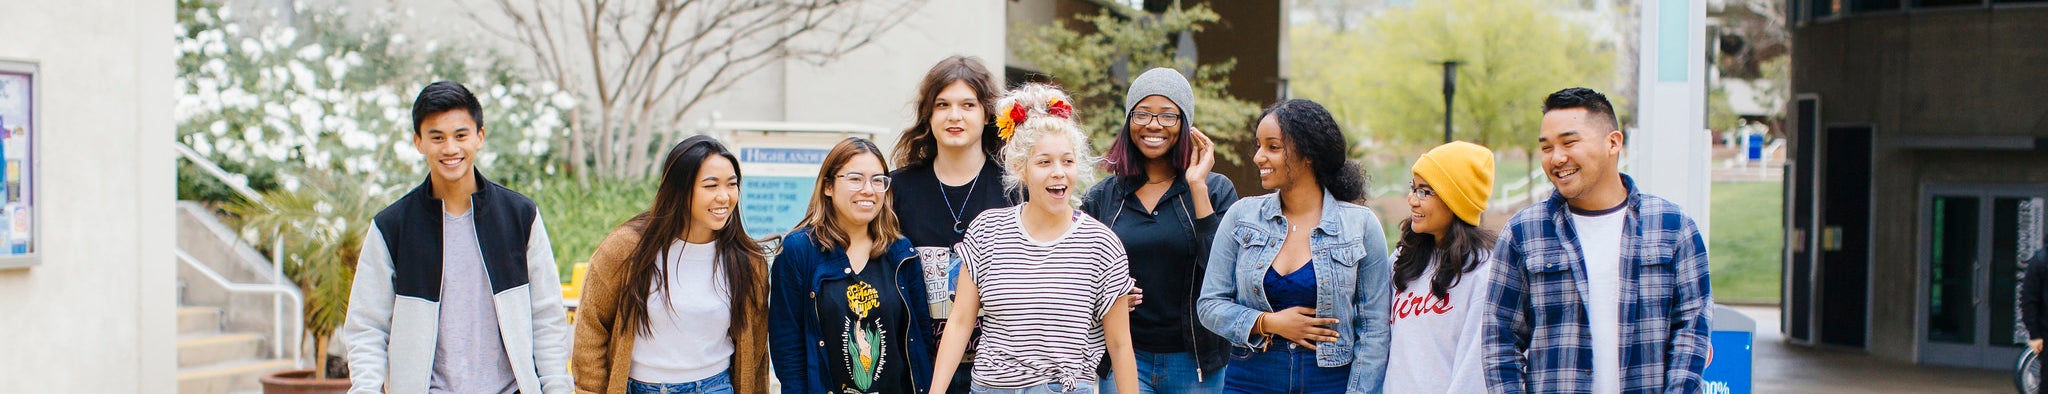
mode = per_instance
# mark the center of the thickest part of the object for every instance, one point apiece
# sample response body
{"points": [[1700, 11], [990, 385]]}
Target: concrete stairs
{"points": [[211, 360]]}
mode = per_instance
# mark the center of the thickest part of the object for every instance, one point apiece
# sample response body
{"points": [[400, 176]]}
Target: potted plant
{"points": [[322, 222]]}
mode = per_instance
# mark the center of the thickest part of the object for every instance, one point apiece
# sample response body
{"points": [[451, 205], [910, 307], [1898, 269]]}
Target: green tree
{"points": [[1384, 82], [1082, 62]]}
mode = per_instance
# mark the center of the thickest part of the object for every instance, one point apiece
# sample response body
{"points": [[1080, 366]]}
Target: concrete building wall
{"points": [[1920, 76], [98, 314]]}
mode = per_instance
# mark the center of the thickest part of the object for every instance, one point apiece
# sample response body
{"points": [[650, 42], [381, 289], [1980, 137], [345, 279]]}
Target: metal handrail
{"points": [[297, 322], [240, 186]]}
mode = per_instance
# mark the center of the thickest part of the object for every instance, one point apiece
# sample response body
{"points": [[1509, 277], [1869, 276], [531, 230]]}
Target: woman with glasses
{"points": [[1440, 274], [847, 309], [1164, 204]]}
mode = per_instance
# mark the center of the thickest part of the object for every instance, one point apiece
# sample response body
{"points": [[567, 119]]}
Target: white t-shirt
{"points": [[1437, 347], [1600, 244], [686, 341]]}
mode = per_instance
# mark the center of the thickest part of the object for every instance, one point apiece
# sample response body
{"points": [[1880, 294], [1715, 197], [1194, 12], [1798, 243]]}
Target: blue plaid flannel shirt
{"points": [[1537, 340]]}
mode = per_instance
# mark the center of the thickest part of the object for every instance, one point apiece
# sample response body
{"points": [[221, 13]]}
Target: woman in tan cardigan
{"points": [[693, 295]]}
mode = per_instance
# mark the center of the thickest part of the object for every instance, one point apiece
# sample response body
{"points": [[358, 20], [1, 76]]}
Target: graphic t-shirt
{"points": [[862, 317], [934, 216]]}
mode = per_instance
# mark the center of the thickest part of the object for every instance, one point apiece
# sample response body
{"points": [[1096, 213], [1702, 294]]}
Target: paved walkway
{"points": [[1785, 368]]}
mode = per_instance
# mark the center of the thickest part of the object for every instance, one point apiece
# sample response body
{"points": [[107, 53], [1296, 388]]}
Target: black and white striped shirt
{"points": [[1042, 302]]}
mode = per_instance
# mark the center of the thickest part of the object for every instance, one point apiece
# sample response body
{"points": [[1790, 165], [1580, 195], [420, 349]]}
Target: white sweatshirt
{"points": [[1436, 345]]}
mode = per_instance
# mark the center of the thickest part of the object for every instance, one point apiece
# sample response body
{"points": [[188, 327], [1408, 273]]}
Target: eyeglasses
{"points": [[1164, 120], [855, 182], [1420, 191]]}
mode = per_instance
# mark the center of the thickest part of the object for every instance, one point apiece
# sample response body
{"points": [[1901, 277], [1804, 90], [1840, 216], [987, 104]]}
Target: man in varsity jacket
{"points": [[456, 289]]}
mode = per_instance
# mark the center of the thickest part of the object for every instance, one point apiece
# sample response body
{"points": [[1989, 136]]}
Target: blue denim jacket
{"points": [[1353, 283]]}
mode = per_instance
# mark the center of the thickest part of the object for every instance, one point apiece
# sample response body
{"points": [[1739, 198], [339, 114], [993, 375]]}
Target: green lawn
{"points": [[1746, 241]]}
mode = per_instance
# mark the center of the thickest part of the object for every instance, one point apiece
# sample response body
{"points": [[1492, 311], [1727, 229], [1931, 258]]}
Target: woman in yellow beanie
{"points": [[1439, 274]]}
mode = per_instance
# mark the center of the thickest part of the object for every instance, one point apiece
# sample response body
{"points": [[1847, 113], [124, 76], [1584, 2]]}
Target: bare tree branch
{"points": [[642, 66]]}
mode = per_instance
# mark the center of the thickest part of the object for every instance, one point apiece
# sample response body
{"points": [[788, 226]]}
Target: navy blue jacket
{"points": [[795, 338]]}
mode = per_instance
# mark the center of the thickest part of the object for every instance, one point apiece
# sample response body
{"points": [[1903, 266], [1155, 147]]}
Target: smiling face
{"points": [[1580, 154], [1427, 213], [958, 117], [857, 208], [1049, 173], [1153, 139], [716, 194], [1279, 165], [449, 141]]}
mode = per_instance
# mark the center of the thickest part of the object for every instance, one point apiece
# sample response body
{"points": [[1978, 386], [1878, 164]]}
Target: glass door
{"points": [[1975, 242]]}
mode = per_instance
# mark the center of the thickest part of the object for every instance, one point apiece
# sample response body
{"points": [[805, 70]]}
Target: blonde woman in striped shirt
{"points": [[1047, 281]]}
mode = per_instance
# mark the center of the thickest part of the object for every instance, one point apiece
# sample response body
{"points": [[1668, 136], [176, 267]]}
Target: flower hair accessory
{"points": [[1006, 122], [1059, 108], [1015, 114]]}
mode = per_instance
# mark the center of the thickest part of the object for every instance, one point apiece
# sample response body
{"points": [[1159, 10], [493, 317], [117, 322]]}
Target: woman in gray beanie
{"points": [[1164, 205]]}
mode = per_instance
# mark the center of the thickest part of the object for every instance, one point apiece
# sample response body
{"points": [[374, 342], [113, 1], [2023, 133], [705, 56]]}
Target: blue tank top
{"points": [[1291, 290]]}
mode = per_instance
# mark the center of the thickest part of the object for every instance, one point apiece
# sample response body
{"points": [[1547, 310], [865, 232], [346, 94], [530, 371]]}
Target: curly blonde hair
{"points": [[1039, 123]]}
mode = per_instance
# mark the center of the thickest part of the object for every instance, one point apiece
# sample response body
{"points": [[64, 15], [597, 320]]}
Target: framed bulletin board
{"points": [[20, 235]]}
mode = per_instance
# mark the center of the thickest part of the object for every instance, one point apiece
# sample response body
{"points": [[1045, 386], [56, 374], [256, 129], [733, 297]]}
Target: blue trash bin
{"points": [[1728, 365], [1756, 147]]}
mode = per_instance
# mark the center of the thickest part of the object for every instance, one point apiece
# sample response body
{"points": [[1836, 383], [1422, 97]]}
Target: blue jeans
{"points": [[716, 384], [1170, 373], [1048, 388], [1282, 368]]}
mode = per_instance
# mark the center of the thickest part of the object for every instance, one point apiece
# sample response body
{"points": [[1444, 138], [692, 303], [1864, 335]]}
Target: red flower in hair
{"points": [[1006, 123], [1059, 108]]}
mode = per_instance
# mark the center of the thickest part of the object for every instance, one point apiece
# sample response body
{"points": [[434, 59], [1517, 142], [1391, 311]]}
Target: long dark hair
{"points": [[667, 221], [1460, 253], [1316, 137], [916, 146]]}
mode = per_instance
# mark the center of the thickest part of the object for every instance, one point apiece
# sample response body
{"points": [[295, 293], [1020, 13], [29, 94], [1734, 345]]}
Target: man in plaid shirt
{"points": [[1599, 289]]}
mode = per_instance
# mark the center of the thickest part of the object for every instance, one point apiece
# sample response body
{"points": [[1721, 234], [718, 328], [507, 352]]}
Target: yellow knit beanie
{"points": [[1462, 175]]}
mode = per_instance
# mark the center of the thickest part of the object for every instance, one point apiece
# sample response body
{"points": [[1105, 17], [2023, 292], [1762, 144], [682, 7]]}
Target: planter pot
{"points": [[299, 381]]}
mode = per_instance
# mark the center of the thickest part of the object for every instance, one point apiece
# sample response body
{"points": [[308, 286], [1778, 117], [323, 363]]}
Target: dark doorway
{"points": [[1845, 236]]}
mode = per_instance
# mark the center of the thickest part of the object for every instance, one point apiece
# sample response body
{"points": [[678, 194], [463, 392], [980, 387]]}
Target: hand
{"points": [[1299, 324], [1201, 157], [2034, 343], [1137, 296]]}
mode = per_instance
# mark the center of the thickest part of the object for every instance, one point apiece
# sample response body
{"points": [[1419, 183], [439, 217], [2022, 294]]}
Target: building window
{"points": [[1947, 3], [1818, 9], [1862, 6]]}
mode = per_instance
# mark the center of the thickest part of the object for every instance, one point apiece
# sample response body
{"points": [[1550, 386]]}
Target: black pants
{"points": [[963, 379]]}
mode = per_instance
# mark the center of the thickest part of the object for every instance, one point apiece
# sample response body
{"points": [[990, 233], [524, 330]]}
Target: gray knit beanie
{"points": [[1162, 82]]}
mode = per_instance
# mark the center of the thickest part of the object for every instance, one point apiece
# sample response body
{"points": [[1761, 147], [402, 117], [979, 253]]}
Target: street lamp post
{"points": [[1450, 90]]}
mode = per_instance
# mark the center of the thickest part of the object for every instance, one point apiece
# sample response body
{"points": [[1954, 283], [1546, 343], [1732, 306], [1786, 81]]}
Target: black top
{"points": [[1294, 289], [934, 214], [862, 318], [1168, 250]]}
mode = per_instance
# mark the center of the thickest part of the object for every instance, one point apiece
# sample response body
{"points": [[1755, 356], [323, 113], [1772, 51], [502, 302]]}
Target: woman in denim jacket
{"points": [[1299, 280]]}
